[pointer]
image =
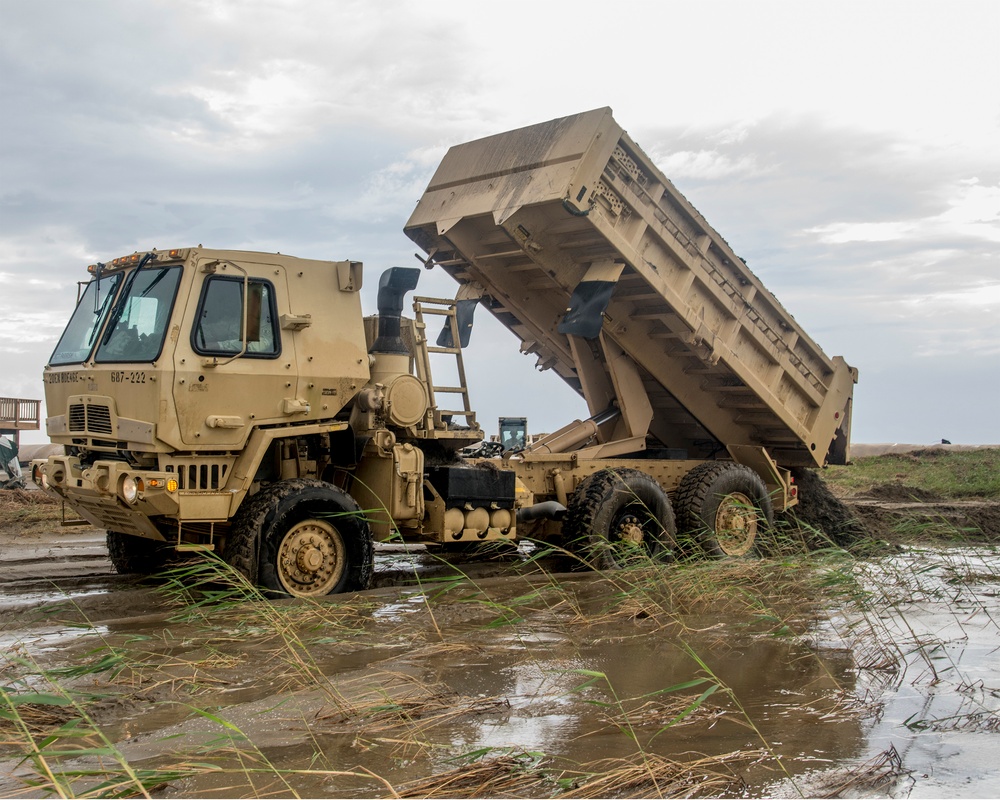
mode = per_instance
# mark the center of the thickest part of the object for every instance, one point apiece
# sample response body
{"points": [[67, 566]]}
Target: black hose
{"points": [[547, 510]]}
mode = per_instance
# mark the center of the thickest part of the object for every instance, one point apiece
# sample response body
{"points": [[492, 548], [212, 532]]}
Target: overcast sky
{"points": [[849, 152]]}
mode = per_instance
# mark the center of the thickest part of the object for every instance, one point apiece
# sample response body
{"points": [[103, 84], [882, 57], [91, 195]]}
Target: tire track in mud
{"points": [[77, 569], [52, 562]]}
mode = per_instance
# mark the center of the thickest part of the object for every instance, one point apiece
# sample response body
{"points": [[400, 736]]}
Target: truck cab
{"points": [[189, 382]]}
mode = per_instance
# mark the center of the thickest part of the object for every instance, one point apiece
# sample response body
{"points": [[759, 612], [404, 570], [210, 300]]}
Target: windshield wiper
{"points": [[98, 312], [99, 273]]}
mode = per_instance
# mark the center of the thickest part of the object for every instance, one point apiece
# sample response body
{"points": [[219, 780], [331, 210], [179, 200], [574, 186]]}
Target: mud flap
{"points": [[464, 312], [590, 299]]}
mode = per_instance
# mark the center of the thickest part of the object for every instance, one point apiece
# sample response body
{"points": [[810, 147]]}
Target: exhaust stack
{"points": [[392, 287]]}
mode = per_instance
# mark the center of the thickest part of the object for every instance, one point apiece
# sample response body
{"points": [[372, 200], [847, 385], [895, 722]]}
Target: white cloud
{"points": [[973, 211], [843, 232], [390, 193], [982, 295], [277, 100], [704, 165]]}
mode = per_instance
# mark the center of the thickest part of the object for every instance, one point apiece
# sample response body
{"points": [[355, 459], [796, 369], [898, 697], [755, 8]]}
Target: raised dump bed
{"points": [[606, 273]]}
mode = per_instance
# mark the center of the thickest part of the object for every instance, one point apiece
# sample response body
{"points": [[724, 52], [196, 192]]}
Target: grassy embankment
{"points": [[928, 474], [923, 496]]}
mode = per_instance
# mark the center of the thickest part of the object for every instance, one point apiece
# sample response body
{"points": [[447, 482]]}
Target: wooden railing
{"points": [[19, 415]]}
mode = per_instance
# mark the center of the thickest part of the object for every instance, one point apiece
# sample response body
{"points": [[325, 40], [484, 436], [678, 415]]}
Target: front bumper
{"points": [[111, 494]]}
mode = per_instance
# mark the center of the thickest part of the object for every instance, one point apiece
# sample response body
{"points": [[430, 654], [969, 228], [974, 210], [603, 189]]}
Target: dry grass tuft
{"points": [[508, 775], [532, 775], [881, 772], [650, 775], [16, 498], [681, 710], [27, 507], [35, 719], [411, 706]]}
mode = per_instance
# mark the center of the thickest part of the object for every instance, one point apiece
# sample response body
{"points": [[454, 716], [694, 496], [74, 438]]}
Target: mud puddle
{"points": [[925, 640], [738, 680]]}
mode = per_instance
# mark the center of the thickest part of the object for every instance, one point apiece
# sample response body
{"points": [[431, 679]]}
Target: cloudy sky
{"points": [[850, 152]]}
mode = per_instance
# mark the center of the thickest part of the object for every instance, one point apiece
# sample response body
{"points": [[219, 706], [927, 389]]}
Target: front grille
{"points": [[99, 419], [87, 418], [200, 474], [77, 417]]}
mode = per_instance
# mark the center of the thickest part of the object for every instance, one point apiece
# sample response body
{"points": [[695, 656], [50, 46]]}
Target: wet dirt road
{"points": [[515, 680]]}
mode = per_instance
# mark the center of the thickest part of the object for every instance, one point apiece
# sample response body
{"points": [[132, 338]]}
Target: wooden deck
{"points": [[18, 415]]}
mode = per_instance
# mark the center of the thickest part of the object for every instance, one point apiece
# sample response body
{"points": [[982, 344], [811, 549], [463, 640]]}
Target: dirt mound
{"points": [[916, 455], [966, 520], [900, 493], [820, 510], [985, 519]]}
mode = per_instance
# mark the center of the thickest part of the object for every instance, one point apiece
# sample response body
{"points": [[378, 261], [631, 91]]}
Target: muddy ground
{"points": [[893, 512], [872, 676]]}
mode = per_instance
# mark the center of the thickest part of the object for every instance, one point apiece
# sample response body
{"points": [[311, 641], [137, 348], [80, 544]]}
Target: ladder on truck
{"points": [[438, 307]]}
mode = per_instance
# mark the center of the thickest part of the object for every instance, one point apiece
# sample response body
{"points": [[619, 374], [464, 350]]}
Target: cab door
{"points": [[232, 366]]}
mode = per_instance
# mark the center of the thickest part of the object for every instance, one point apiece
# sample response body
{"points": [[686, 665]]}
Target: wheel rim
{"points": [[629, 532], [736, 524], [311, 558]]}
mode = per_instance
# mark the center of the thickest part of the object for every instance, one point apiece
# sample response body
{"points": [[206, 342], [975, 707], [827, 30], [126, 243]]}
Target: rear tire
{"points": [[303, 538], [620, 517], [134, 555], [725, 508]]}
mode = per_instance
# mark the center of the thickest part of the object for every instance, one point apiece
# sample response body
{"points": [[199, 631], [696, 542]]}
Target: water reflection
{"points": [[604, 697]]}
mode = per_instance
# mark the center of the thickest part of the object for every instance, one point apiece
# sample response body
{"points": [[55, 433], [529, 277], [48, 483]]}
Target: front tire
{"points": [[725, 507], [134, 555], [619, 517], [303, 538]]}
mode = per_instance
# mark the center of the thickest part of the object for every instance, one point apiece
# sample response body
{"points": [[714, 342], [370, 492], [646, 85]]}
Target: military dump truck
{"points": [[241, 402]]}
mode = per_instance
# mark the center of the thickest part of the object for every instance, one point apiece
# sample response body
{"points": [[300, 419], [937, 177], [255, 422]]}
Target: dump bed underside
{"points": [[536, 216]]}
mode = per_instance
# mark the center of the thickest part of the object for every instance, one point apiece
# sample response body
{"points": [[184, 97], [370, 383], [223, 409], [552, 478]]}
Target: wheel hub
{"points": [[311, 558], [632, 534], [736, 524], [630, 530]]}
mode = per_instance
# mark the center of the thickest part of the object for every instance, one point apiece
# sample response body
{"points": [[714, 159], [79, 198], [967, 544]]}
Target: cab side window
{"points": [[217, 329]]}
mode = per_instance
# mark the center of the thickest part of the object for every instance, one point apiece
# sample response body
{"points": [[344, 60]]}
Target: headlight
{"points": [[39, 477], [129, 489]]}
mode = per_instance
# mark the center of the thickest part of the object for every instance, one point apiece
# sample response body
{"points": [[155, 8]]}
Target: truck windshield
{"points": [[78, 339], [141, 315], [512, 433]]}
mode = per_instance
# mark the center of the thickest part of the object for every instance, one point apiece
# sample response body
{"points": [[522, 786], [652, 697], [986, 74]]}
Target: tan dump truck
{"points": [[240, 402]]}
